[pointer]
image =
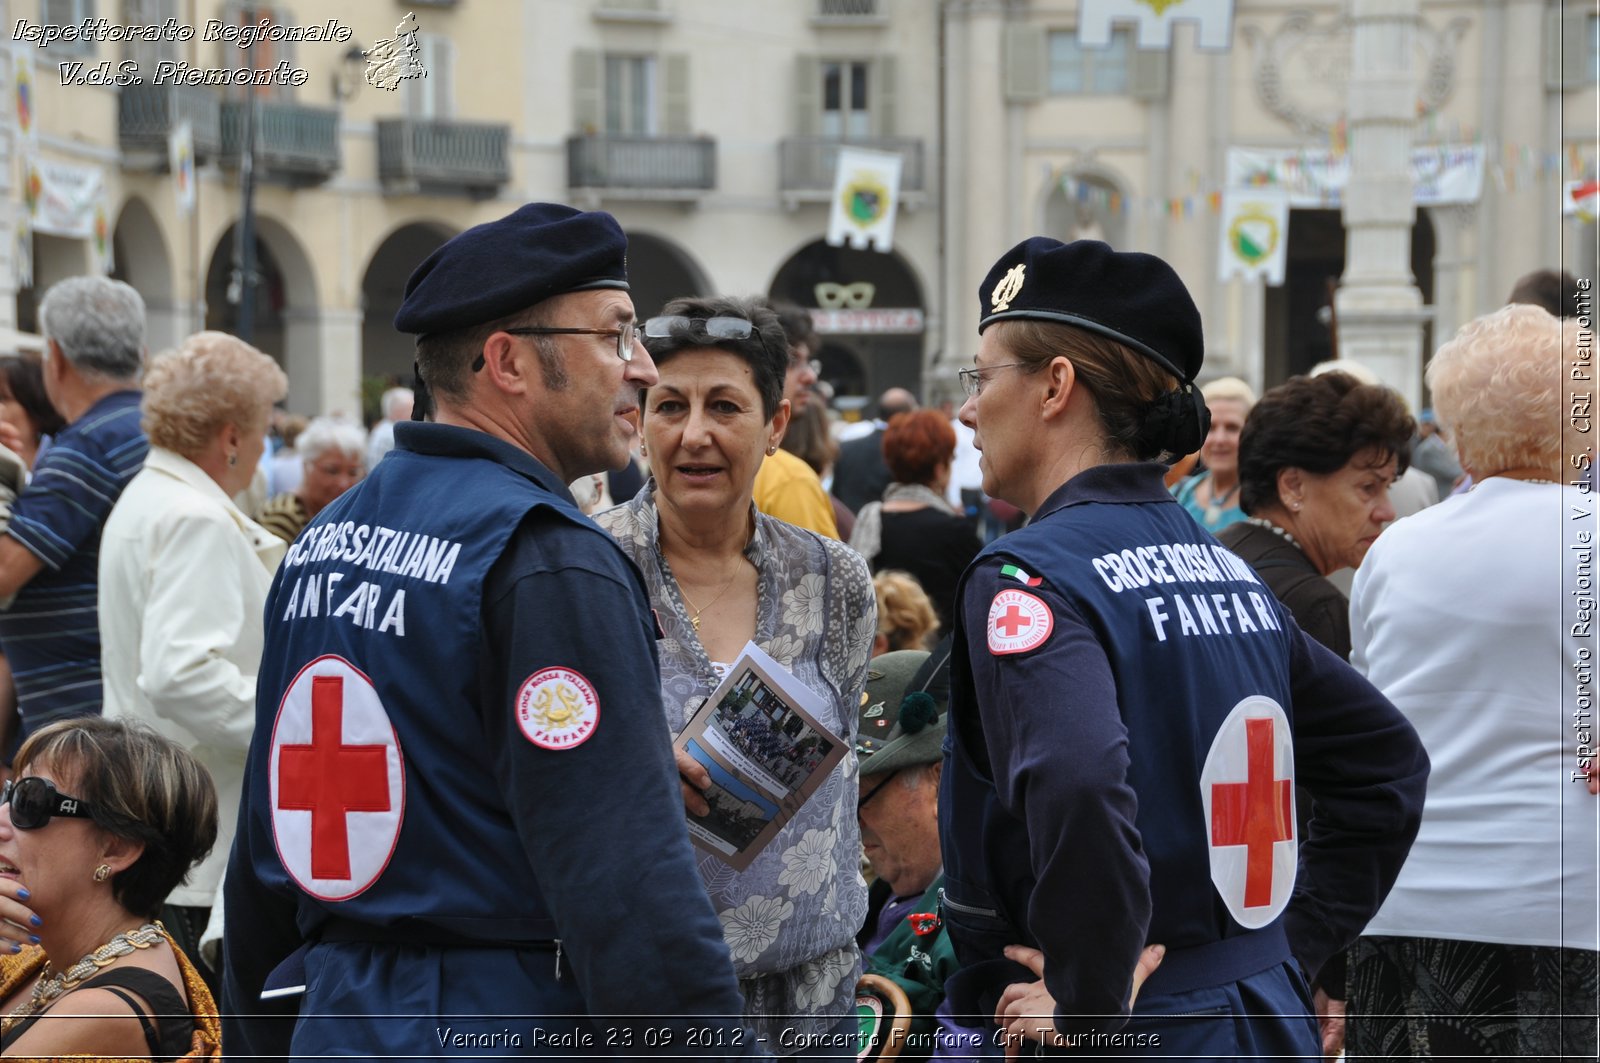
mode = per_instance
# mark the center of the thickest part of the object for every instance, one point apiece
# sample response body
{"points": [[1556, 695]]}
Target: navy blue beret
{"points": [[1132, 298], [497, 268]]}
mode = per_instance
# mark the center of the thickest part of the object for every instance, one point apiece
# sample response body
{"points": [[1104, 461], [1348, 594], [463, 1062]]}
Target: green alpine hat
{"points": [[903, 712]]}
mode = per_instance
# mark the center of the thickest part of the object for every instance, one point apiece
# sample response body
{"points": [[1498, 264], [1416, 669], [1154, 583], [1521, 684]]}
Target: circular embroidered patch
{"points": [[1018, 621], [557, 708], [336, 779]]}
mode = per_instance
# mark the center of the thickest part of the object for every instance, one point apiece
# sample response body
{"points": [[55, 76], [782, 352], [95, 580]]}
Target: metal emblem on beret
{"points": [[1007, 289]]}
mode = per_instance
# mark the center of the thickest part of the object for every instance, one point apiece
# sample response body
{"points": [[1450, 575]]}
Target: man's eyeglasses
{"points": [[720, 328], [34, 801], [627, 334], [799, 364], [972, 379], [861, 804]]}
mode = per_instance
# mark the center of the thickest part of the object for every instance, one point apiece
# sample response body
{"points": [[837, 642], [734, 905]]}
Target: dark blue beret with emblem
{"points": [[1133, 298], [540, 251]]}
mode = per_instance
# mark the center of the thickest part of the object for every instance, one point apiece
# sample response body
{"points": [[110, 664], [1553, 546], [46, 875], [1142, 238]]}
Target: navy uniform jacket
{"points": [[1098, 653], [459, 769]]}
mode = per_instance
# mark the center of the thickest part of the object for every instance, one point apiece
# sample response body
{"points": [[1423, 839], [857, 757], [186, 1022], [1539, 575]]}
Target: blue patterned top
{"points": [[790, 918]]}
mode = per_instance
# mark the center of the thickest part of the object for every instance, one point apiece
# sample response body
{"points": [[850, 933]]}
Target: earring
{"points": [[1296, 507], [233, 459], [644, 451], [102, 872], [772, 450]]}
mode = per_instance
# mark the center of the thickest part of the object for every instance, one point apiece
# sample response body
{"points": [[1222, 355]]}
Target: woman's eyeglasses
{"points": [[34, 801], [972, 379], [721, 328]]}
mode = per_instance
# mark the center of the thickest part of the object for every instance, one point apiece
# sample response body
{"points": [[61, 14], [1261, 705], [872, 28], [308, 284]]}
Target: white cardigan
{"points": [[1458, 616], [183, 581]]}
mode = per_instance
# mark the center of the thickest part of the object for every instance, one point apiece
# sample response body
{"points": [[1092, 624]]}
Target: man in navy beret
{"points": [[461, 767]]}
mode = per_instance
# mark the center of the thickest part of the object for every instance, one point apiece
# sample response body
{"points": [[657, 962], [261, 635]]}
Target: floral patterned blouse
{"points": [[790, 918]]}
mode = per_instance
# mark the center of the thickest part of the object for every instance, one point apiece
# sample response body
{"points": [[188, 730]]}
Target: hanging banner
{"points": [[1255, 234], [866, 193], [23, 100], [101, 235], [1213, 22], [1441, 175], [180, 159], [62, 198], [22, 250]]}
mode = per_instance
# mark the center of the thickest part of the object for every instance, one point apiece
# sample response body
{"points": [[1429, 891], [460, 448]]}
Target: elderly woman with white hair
{"points": [[184, 577], [333, 457], [1212, 496], [1488, 939]]}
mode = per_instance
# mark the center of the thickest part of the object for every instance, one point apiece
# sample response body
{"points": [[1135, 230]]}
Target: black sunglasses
{"points": [[34, 801]]}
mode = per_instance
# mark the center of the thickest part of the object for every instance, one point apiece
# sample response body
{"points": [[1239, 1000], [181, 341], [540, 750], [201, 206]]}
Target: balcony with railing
{"points": [[294, 143], [616, 166], [849, 13], [147, 114], [806, 166], [442, 156]]}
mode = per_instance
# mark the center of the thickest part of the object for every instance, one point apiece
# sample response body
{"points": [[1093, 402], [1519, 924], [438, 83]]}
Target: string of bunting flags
{"points": [[1511, 168]]}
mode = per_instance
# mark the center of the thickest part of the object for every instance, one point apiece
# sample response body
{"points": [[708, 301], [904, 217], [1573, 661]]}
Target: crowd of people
{"points": [[328, 742]]}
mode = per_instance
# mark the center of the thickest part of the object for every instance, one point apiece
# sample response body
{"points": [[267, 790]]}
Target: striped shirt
{"points": [[51, 633]]}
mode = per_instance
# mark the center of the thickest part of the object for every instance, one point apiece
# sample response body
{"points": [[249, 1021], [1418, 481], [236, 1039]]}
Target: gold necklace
{"points": [[695, 619], [51, 986]]}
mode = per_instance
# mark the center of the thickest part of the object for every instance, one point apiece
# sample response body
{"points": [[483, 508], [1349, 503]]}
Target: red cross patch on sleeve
{"points": [[1018, 622]]}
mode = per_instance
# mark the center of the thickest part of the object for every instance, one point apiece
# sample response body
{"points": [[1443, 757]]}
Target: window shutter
{"points": [[1566, 48], [588, 75], [807, 95], [1025, 63], [1147, 74], [881, 90], [675, 94]]}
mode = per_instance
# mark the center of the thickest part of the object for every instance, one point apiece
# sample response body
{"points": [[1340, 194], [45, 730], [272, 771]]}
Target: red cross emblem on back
{"points": [[1254, 813], [328, 779], [1247, 788], [337, 781]]}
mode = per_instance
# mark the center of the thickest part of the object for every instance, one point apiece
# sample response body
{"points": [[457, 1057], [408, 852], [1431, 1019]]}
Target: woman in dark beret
{"points": [[1316, 460]]}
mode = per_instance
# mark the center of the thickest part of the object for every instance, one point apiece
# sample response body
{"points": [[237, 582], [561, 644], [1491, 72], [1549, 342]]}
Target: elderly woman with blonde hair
{"points": [[1212, 495], [184, 577], [1486, 947]]}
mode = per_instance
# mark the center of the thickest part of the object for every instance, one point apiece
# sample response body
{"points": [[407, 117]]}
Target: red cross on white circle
{"points": [[1247, 786], [1018, 622], [1013, 621], [337, 781]]}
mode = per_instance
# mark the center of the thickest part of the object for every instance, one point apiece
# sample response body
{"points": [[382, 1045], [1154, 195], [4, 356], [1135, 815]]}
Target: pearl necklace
{"points": [[51, 987], [1271, 527]]}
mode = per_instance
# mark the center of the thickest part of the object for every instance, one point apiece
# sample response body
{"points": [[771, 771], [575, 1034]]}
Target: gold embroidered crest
{"points": [[1007, 289]]}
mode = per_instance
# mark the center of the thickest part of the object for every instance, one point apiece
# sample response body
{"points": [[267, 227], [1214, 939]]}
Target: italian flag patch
{"points": [[1013, 572]]}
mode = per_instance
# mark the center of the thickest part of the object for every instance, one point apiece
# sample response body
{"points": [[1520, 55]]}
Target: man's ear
{"points": [[506, 363]]}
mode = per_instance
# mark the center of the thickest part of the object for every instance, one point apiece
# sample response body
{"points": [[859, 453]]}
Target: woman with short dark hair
{"points": [[914, 528], [25, 406], [101, 820], [1316, 460], [722, 574]]}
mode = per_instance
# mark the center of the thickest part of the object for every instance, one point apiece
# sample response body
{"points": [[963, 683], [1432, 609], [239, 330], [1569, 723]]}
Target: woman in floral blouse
{"points": [[721, 574]]}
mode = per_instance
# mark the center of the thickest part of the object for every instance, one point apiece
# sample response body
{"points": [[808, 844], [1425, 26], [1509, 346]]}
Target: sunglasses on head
{"points": [[34, 801], [721, 328]]}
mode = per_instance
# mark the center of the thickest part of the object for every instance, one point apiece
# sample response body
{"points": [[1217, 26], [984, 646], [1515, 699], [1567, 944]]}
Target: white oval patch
{"points": [[557, 708], [1247, 788], [1018, 621], [337, 781]]}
